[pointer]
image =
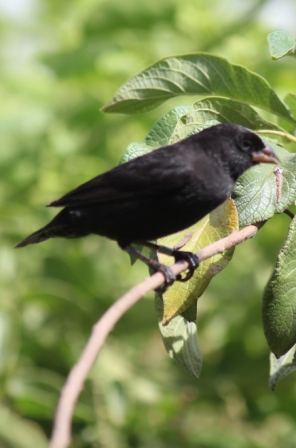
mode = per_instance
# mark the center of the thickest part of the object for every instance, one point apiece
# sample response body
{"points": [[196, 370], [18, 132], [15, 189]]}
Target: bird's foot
{"points": [[191, 259], [154, 265], [169, 276]]}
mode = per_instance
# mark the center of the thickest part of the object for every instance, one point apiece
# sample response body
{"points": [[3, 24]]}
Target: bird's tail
{"points": [[40, 235], [58, 227]]}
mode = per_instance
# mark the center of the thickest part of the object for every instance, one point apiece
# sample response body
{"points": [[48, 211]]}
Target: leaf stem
{"points": [[279, 133]]}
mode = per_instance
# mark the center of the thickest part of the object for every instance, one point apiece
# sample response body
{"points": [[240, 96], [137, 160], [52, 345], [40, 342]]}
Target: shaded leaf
{"points": [[161, 132], [134, 150], [133, 258], [195, 74], [290, 100], [183, 131], [180, 341], [158, 136], [281, 367], [265, 190], [280, 45], [218, 224], [214, 110], [279, 299]]}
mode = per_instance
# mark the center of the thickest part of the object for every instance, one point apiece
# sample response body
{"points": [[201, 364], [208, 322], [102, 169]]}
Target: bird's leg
{"points": [[153, 264], [178, 255]]}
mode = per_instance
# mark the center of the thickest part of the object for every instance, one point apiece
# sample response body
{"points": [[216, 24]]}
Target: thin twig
{"points": [[61, 435], [289, 213]]}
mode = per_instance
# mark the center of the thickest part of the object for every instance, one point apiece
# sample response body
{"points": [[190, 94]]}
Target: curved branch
{"points": [[61, 435]]}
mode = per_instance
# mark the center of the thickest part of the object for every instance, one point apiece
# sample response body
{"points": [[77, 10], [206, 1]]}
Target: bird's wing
{"points": [[153, 173]]}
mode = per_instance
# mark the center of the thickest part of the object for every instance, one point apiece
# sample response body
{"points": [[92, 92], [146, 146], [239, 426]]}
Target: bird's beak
{"points": [[267, 155]]}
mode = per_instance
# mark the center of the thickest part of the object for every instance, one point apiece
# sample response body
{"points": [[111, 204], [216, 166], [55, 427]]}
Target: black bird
{"points": [[159, 193]]}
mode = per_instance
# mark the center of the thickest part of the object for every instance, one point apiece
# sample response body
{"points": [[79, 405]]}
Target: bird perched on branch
{"points": [[159, 193]]}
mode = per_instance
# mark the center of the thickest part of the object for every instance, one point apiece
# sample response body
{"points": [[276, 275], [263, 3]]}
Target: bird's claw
{"points": [[169, 276], [191, 259]]}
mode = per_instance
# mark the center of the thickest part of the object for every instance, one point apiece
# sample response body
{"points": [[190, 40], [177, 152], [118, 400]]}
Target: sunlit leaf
{"points": [[281, 45], [266, 189], [195, 74], [218, 224], [180, 341], [281, 367], [279, 299]]}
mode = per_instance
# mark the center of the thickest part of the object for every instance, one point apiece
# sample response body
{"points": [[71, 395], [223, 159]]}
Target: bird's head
{"points": [[241, 149], [258, 151]]}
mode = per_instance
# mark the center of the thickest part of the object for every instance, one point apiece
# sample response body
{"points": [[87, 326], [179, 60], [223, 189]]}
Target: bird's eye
{"points": [[246, 145]]}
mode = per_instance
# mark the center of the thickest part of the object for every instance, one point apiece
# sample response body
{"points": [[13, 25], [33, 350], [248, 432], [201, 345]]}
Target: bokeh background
{"points": [[60, 63]]}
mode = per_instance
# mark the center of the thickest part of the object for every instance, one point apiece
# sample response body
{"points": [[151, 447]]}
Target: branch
{"points": [[61, 435]]}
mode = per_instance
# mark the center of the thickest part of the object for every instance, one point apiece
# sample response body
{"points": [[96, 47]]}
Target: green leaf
{"points": [[280, 45], [218, 224], [17, 432], [195, 74], [282, 367], [290, 100], [180, 341], [161, 132], [134, 150], [266, 189], [279, 299], [218, 110], [158, 136], [133, 258]]}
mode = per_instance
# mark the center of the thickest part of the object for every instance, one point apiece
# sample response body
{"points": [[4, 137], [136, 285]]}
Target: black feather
{"points": [[158, 193]]}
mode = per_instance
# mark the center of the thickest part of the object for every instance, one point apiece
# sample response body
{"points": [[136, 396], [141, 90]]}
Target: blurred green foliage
{"points": [[60, 62]]}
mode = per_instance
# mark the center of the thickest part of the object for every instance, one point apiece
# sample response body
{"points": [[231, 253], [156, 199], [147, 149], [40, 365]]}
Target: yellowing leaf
{"points": [[218, 224]]}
